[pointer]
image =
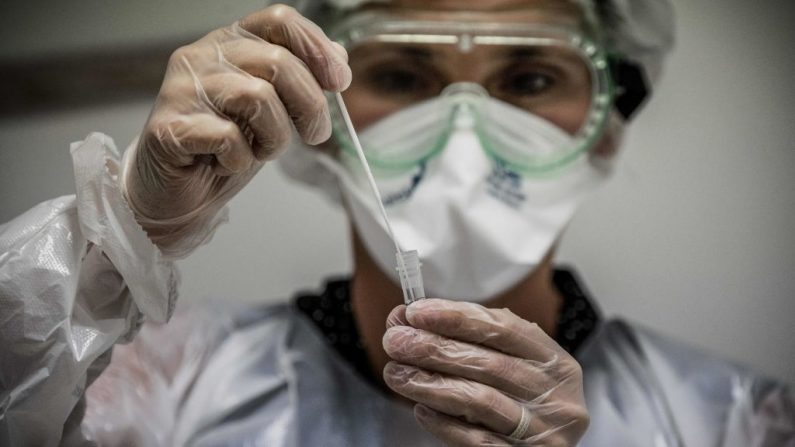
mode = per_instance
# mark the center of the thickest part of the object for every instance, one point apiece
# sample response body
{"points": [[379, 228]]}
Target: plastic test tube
{"points": [[408, 267]]}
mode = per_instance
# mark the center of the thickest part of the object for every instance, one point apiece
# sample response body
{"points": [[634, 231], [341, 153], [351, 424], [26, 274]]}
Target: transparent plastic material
{"points": [[557, 73], [410, 276]]}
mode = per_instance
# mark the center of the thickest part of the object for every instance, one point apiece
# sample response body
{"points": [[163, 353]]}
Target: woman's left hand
{"points": [[484, 376]]}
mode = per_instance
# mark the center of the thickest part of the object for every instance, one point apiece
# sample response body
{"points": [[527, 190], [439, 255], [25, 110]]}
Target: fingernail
{"points": [[419, 309], [418, 306], [342, 76], [397, 339], [341, 51], [395, 369], [395, 333], [397, 375], [318, 130]]}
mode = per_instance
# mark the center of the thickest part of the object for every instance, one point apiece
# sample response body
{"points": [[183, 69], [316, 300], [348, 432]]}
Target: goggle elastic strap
{"points": [[631, 86]]}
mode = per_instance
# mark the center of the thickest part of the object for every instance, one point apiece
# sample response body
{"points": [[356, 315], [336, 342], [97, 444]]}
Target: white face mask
{"points": [[479, 227]]}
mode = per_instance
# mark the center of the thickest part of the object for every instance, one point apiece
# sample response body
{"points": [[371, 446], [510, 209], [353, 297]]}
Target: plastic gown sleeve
{"points": [[163, 365], [77, 274]]}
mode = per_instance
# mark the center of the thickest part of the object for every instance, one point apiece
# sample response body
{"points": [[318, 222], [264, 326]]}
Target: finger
{"points": [[474, 402], [397, 317], [453, 431], [517, 377], [297, 88], [284, 26], [186, 139], [498, 329], [340, 50], [255, 106]]}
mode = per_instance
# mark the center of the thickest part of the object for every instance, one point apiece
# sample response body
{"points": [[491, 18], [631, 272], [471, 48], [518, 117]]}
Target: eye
{"points": [[399, 80], [403, 81], [527, 83]]}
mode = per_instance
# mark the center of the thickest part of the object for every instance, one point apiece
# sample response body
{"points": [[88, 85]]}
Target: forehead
{"points": [[558, 11]]}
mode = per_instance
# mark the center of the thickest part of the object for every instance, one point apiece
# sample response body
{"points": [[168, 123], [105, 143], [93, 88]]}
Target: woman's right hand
{"points": [[225, 107]]}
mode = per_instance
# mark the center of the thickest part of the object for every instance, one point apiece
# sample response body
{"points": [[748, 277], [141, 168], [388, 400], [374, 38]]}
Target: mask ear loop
{"points": [[408, 264]]}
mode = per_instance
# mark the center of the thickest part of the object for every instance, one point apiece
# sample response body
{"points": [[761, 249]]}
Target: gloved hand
{"points": [[224, 108], [483, 376]]}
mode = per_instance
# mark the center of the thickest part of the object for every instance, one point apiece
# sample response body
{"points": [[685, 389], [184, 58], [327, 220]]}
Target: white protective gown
{"points": [[77, 274]]}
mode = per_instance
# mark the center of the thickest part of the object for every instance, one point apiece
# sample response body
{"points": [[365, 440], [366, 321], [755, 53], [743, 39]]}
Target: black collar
{"points": [[332, 313]]}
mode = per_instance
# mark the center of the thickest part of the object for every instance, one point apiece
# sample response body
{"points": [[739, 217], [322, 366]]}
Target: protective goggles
{"points": [[554, 72]]}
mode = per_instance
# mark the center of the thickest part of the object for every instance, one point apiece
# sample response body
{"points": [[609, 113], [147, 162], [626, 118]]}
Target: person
{"points": [[486, 124]]}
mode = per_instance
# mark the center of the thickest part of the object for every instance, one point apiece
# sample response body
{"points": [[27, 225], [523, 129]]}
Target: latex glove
{"points": [[473, 371], [225, 107]]}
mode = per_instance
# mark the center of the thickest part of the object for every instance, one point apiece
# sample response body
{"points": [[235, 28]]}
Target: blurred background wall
{"points": [[693, 237]]}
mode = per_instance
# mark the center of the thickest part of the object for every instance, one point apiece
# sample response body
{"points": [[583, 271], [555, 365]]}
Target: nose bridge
{"points": [[467, 73], [466, 64]]}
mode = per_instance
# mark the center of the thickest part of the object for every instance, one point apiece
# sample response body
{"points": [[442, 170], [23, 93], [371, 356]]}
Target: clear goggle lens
{"points": [[551, 72]]}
